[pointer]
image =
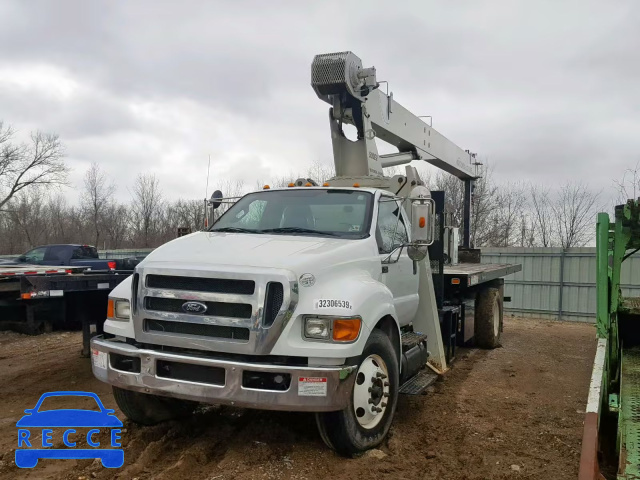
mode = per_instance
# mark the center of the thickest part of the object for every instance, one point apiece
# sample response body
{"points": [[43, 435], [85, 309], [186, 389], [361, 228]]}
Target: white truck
{"points": [[318, 298]]}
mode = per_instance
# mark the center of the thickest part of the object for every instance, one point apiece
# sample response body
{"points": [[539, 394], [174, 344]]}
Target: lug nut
{"points": [[383, 404], [381, 375], [370, 389], [371, 400], [385, 394], [386, 384]]}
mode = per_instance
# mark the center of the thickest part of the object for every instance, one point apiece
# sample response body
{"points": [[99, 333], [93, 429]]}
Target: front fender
{"points": [[368, 298], [119, 327]]}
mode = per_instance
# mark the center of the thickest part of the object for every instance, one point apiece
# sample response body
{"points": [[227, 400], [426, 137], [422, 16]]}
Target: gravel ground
{"points": [[514, 412]]}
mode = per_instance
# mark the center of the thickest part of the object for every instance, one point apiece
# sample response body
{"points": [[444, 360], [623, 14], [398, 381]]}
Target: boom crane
{"points": [[356, 99]]}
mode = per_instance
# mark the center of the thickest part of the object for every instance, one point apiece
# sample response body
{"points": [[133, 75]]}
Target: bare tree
{"points": [[574, 213], [543, 214], [146, 208], [508, 215], [116, 224], [25, 166], [320, 172], [97, 195], [629, 185], [26, 212]]}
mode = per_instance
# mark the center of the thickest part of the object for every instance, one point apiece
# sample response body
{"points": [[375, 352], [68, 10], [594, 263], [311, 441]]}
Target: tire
{"points": [[147, 409], [488, 318], [349, 433]]}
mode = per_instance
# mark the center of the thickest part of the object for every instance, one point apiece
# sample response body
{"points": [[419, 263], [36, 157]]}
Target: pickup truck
{"points": [[70, 255]]}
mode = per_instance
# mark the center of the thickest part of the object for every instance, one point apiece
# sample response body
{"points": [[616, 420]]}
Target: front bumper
{"points": [[339, 380]]}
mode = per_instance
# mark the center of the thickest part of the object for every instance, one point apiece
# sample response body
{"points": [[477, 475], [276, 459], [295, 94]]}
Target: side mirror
{"points": [[423, 224], [22, 258], [216, 199]]}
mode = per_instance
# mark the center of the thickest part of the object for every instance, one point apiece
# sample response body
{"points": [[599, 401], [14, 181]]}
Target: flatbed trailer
{"points": [[471, 274], [36, 298]]}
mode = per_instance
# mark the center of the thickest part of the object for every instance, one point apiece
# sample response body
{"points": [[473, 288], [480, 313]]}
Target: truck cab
{"points": [[271, 307]]}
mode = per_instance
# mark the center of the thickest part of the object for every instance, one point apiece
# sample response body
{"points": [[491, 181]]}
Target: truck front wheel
{"points": [[147, 409], [488, 318], [366, 421]]}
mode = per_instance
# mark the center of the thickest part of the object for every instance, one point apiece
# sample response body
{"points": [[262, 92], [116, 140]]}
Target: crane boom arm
{"points": [[396, 125], [353, 93]]}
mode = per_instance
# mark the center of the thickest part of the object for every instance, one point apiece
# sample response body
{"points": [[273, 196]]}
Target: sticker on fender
{"points": [[99, 359], [330, 303], [312, 386]]}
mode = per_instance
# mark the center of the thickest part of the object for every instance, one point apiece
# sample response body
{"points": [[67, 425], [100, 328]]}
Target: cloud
{"points": [[547, 91]]}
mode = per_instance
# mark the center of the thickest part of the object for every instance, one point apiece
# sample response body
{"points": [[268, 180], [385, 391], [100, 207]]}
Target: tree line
{"points": [[35, 211]]}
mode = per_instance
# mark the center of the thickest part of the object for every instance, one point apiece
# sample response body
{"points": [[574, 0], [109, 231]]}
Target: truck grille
{"points": [[214, 309], [201, 330], [247, 307], [195, 284], [273, 303]]}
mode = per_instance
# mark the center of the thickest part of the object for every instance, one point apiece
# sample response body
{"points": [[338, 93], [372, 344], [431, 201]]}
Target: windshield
{"points": [[331, 213]]}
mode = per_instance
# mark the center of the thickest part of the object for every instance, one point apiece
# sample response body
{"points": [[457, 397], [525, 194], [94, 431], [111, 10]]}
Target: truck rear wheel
{"points": [[366, 421], [488, 318], [147, 409]]}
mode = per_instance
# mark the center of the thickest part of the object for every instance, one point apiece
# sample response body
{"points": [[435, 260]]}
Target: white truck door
{"points": [[398, 274]]}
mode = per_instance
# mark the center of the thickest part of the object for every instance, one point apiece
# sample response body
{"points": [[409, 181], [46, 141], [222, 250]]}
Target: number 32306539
{"points": [[333, 304]]}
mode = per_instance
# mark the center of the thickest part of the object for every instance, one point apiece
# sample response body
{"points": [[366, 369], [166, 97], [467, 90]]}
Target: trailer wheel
{"points": [[366, 421], [147, 409], [488, 318]]}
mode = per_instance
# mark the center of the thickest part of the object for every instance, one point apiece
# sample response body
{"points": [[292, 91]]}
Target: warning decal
{"points": [[312, 386]]}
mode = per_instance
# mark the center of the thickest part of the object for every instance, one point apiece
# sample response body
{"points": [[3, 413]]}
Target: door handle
{"points": [[385, 269]]}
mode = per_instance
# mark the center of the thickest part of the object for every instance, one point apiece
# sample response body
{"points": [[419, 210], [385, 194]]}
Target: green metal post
{"points": [[602, 275]]}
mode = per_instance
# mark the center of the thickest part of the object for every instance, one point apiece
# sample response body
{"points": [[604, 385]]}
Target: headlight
{"points": [[118, 309], [346, 329], [318, 328]]}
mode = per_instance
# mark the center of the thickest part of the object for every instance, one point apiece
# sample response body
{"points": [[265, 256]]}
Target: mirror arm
{"points": [[387, 260]]}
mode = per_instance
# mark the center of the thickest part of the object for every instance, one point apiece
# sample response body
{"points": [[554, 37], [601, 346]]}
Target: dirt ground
{"points": [[514, 412]]}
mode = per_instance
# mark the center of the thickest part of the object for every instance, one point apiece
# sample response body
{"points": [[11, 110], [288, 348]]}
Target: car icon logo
{"points": [[36, 429], [194, 307]]}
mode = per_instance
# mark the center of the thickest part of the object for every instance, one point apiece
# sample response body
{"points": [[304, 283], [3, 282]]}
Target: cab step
{"points": [[417, 384], [411, 339]]}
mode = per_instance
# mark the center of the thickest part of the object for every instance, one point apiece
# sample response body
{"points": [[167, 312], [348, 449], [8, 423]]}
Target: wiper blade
{"points": [[235, 230], [297, 230]]}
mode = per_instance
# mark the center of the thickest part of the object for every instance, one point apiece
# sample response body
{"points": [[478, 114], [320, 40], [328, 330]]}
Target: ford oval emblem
{"points": [[194, 307]]}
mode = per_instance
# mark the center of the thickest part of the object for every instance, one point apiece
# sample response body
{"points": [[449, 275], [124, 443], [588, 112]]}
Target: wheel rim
{"points": [[371, 391], [496, 320]]}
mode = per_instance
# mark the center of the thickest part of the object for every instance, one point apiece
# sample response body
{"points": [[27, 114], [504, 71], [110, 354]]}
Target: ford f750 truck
{"points": [[331, 298]]}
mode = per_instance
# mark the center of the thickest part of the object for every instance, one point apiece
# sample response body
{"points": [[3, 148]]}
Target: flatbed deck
{"points": [[477, 273]]}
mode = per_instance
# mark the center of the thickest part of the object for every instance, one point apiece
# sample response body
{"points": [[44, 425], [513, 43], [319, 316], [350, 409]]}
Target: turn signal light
{"points": [[308, 184], [421, 222], [325, 184], [346, 330], [110, 309], [292, 185], [266, 187], [356, 185]]}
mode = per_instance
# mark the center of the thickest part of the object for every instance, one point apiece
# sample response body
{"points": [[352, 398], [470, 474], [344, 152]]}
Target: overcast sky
{"points": [[546, 90]]}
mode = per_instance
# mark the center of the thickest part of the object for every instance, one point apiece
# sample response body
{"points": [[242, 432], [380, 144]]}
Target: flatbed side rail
{"points": [[589, 468]]}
